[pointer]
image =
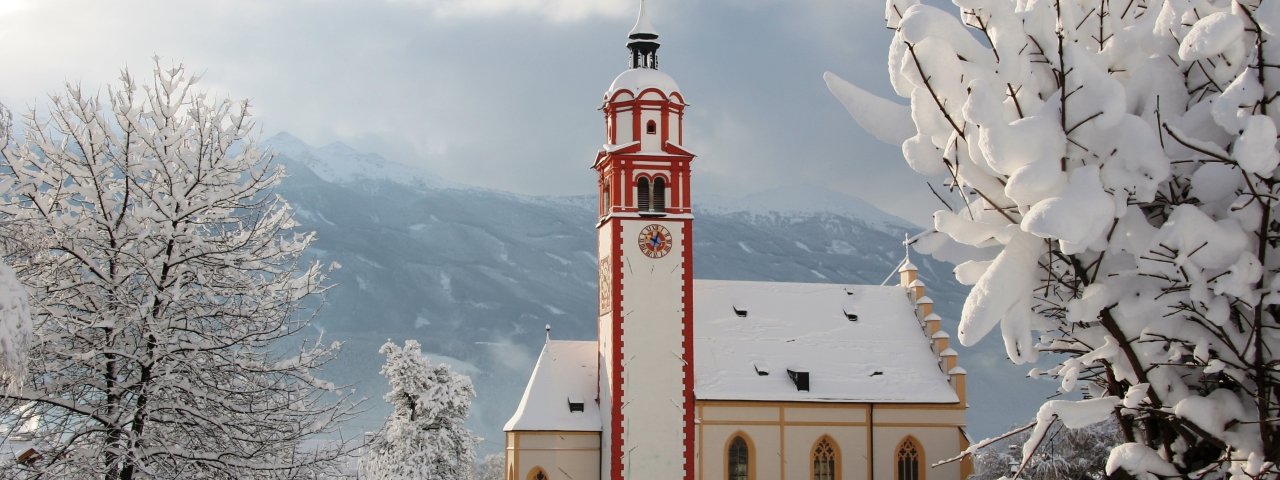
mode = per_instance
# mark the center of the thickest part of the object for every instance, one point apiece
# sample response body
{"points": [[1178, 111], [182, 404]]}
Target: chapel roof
{"points": [[565, 372]]}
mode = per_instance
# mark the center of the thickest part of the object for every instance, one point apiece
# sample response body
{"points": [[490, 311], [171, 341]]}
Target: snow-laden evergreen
{"points": [[424, 438], [168, 295], [1114, 198]]}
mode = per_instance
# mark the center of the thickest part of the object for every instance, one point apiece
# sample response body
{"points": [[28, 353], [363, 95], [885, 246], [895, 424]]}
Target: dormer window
{"points": [[740, 312], [651, 128], [576, 404], [800, 378]]}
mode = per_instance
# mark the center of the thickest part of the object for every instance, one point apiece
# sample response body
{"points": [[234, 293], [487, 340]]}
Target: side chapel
{"points": [[727, 380]]}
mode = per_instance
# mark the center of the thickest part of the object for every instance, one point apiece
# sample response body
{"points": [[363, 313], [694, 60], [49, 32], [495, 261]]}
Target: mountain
{"points": [[476, 274]]}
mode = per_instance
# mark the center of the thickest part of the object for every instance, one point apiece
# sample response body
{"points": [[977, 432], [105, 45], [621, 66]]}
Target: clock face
{"points": [[655, 241], [606, 282]]}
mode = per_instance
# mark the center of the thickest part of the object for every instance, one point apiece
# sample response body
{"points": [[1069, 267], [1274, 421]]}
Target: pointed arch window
{"points": [[739, 459], [538, 474], [826, 459], [909, 457]]}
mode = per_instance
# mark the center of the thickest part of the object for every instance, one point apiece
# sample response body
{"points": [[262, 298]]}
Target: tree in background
{"points": [[424, 438], [1112, 198], [492, 467], [1065, 454], [168, 292]]}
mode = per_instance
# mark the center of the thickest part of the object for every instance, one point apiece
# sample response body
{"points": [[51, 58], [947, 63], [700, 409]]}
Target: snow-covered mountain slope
{"points": [[338, 162], [475, 274]]}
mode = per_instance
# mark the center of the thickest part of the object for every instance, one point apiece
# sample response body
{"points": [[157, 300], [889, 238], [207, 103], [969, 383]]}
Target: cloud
{"points": [[554, 10]]}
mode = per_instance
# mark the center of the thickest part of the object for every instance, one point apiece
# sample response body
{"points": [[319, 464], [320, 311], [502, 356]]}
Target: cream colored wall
{"points": [[652, 409], [795, 428], [573, 455]]}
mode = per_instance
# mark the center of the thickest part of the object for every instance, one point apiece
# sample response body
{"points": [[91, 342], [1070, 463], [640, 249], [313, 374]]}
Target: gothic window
{"points": [[659, 195], [825, 459], [651, 127], [538, 474], [739, 459], [909, 458], [642, 194]]}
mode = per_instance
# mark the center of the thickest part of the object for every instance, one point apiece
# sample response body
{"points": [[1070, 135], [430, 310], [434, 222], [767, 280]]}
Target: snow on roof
{"points": [[565, 370], [907, 267], [638, 79], [643, 25], [881, 357]]}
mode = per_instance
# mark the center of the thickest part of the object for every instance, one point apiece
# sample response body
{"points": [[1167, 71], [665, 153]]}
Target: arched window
{"points": [[642, 194], [651, 127], [909, 457], [605, 199], [826, 456], [538, 474], [739, 459], [659, 195]]}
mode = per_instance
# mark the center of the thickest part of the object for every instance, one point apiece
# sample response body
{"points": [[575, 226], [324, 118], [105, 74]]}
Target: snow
{"points": [[886, 121], [1211, 36], [637, 80], [565, 369], [791, 324], [801, 199], [643, 25]]}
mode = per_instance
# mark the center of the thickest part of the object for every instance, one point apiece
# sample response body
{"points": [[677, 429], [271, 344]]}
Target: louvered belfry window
{"points": [[659, 195], [642, 194]]}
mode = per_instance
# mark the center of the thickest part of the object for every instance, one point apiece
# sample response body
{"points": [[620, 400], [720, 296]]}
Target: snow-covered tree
{"points": [[1065, 454], [168, 293], [15, 314], [1113, 198], [424, 438], [492, 467]]}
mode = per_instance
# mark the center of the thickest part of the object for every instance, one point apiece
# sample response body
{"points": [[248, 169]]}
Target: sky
{"points": [[501, 93]]}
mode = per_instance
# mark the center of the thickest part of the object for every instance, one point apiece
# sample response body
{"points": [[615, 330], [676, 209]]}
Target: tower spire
{"points": [[643, 41]]}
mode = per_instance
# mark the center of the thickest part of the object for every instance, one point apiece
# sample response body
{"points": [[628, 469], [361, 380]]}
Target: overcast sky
{"points": [[501, 93]]}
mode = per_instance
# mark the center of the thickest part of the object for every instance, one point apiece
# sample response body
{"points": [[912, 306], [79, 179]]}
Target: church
{"points": [[727, 380]]}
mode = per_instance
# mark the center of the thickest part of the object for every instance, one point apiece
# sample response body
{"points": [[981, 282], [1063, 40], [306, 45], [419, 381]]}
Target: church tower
{"points": [[646, 272]]}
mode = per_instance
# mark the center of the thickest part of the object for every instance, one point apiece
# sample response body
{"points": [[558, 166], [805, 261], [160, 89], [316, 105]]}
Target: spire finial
{"points": [[644, 41], [643, 25], [906, 246], [548, 333]]}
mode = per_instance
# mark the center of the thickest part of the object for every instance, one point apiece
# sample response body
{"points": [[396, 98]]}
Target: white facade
{"points": [[653, 382]]}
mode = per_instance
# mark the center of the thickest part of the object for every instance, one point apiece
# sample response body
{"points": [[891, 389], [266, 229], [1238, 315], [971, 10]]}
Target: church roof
{"points": [[566, 372], [856, 343], [882, 356]]}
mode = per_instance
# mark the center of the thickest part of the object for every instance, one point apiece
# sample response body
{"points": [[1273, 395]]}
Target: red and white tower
{"points": [[646, 273]]}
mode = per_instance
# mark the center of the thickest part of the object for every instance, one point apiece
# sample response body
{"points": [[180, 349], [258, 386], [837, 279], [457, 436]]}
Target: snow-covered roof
{"points": [[881, 357], [643, 25], [565, 370], [639, 79]]}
